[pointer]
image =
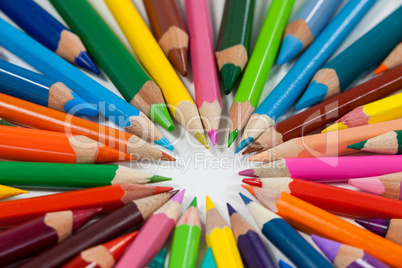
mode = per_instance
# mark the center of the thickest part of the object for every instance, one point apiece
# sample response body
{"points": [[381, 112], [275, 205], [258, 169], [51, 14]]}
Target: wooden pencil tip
{"points": [[249, 188], [178, 57], [209, 204], [381, 69], [166, 157]]}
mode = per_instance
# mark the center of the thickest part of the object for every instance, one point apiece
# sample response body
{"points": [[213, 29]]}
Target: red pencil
{"points": [[331, 198], [107, 197]]}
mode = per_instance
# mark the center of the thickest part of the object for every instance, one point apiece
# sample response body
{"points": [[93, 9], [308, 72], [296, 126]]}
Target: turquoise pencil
{"points": [[293, 84], [110, 105], [359, 58]]}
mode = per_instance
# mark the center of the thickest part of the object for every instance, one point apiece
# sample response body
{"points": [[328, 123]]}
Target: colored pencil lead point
{"points": [[6, 191], [357, 146], [193, 203], [232, 136], [81, 217], [209, 261], [159, 260], [201, 138], [157, 178], [249, 188], [247, 173], [335, 127], [213, 136], [209, 204], [173, 192], [166, 157], [315, 93], [84, 60], [329, 247], [78, 106], [231, 210], [371, 185], [230, 73], [377, 226], [253, 182], [159, 113], [243, 144], [381, 69], [291, 47], [283, 264], [179, 197], [178, 57], [162, 189], [165, 143], [246, 200]]}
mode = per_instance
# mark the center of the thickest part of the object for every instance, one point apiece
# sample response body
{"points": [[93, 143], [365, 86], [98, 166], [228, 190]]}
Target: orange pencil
{"points": [[326, 144], [107, 197], [21, 144], [394, 59], [313, 220], [35, 116]]}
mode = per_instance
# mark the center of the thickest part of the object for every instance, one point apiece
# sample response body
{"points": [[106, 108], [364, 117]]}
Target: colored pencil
{"points": [[328, 168], [159, 260], [179, 102], [129, 217], [6, 192], [251, 247], [388, 228], [326, 144], [104, 255], [284, 237], [304, 28], [234, 41], [220, 239], [42, 175], [111, 106], [207, 92], [30, 86], [34, 116], [49, 32], [283, 264], [328, 111], [313, 220], [343, 256], [375, 112], [186, 238], [352, 203], [6, 123], [38, 234], [393, 60], [107, 197], [387, 143], [21, 144], [386, 185], [120, 66], [152, 235], [285, 94], [169, 30], [208, 261], [359, 58], [259, 66]]}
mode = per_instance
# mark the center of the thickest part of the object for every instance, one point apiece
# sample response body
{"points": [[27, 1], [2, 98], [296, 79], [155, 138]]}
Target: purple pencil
{"points": [[390, 229]]}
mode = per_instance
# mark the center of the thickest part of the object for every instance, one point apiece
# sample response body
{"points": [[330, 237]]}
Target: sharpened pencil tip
{"points": [[253, 182], [230, 73], [246, 200], [291, 47], [377, 226], [209, 204], [162, 189], [165, 143], [179, 197], [178, 57], [243, 144], [157, 178], [371, 185], [247, 173], [84, 60], [201, 138], [283, 264], [232, 136], [328, 247], [159, 113], [231, 210], [249, 188], [357, 146], [213, 136], [335, 127], [193, 203], [78, 106], [381, 69], [315, 93]]}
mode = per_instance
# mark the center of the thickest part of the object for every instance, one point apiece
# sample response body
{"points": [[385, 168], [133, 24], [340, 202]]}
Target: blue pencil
{"points": [[284, 237], [293, 84], [30, 86], [305, 27], [209, 261], [48, 31], [110, 105], [283, 264], [359, 58]]}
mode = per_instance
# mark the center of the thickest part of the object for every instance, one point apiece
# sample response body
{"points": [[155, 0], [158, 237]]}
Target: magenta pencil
{"points": [[207, 93], [152, 235], [329, 169]]}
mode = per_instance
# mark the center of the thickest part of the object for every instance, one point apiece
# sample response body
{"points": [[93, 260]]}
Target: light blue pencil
{"points": [[209, 261], [293, 84], [305, 27], [110, 105], [359, 58]]}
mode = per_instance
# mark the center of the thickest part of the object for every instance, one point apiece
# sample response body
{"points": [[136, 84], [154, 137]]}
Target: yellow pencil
{"points": [[179, 102], [220, 239], [6, 192], [385, 109]]}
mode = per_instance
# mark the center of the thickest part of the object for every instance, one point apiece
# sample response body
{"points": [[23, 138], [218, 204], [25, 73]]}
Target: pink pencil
{"points": [[152, 235], [207, 93], [328, 169]]}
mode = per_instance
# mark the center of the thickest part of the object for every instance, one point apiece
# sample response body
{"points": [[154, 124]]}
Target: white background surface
{"points": [[214, 172]]}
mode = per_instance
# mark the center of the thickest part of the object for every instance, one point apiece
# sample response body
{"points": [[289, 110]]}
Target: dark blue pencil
{"points": [[284, 237], [47, 30], [30, 86]]}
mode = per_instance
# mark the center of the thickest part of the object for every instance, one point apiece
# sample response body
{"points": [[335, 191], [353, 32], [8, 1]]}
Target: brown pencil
{"points": [[169, 30]]}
